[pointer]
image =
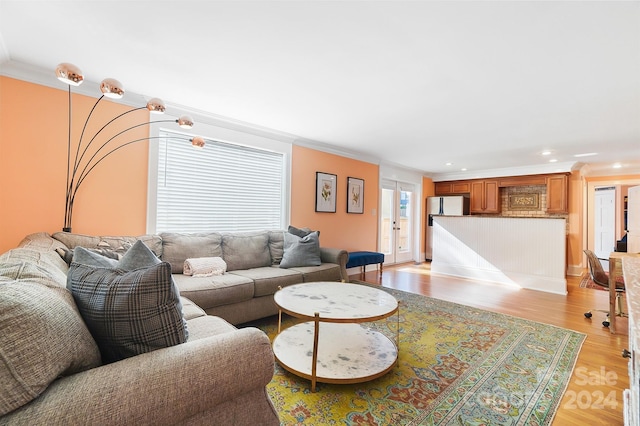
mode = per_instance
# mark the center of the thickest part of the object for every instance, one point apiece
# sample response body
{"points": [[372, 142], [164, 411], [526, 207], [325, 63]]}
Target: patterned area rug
{"points": [[457, 366], [587, 282]]}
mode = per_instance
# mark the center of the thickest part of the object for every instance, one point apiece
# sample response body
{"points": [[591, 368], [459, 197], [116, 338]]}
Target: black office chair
{"points": [[600, 277]]}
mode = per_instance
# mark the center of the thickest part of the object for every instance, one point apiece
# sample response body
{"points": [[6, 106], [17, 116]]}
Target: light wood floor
{"points": [[594, 394]]}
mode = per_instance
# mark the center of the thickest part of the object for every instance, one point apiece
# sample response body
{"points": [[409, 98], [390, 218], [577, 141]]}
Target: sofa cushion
{"points": [[131, 308], [43, 246], [299, 251], [276, 246], [45, 267], [208, 326], [190, 310], [119, 244], [217, 290], [267, 280], [246, 250], [43, 337], [324, 272], [179, 247], [40, 240]]}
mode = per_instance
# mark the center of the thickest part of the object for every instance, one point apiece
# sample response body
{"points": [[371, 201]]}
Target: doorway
{"points": [[604, 223], [396, 221]]}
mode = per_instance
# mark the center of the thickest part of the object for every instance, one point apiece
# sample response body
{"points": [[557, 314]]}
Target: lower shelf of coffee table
{"points": [[347, 353]]}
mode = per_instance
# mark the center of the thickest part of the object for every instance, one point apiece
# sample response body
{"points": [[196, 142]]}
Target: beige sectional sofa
{"points": [[245, 292], [51, 370]]}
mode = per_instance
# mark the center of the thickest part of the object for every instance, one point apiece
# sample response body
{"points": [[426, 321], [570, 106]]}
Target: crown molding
{"points": [[537, 169], [43, 77], [4, 52], [605, 169]]}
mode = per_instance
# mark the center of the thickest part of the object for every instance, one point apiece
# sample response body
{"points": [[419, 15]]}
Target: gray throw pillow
{"points": [[301, 232], [67, 254], [89, 257], [301, 251], [130, 308]]}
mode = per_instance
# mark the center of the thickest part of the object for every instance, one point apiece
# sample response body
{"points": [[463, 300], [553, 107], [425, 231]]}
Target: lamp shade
{"points": [[111, 88], [185, 122], [156, 106], [198, 142], [70, 74]]}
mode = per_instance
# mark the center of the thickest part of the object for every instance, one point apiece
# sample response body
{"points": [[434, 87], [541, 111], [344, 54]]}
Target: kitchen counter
{"points": [[631, 396], [524, 252]]}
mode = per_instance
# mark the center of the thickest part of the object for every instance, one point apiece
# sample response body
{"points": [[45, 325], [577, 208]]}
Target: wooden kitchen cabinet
{"points": [[484, 197], [449, 188], [557, 194]]}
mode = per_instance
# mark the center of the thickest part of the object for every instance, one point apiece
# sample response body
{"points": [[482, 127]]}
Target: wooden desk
{"points": [[615, 270]]}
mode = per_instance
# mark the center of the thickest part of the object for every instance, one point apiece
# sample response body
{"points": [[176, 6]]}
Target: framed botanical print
{"points": [[326, 187], [355, 195]]}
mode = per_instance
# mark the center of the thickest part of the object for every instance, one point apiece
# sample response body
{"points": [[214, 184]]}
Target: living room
{"points": [[115, 200]]}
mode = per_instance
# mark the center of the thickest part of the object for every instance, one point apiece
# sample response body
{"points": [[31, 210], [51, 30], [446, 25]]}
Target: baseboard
{"points": [[575, 270], [547, 284]]}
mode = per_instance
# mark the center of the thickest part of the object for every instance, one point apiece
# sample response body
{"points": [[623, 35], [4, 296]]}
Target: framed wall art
{"points": [[355, 195], [326, 184]]}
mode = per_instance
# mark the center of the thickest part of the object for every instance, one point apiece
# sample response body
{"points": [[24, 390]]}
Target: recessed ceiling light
{"points": [[448, 164], [617, 165], [464, 169], [586, 154], [553, 160], [546, 152]]}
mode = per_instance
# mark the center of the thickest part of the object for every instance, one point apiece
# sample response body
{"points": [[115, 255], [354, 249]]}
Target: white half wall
{"points": [[525, 252]]}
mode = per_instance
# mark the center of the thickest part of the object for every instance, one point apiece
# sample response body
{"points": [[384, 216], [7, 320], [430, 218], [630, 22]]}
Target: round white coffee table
{"points": [[332, 346]]}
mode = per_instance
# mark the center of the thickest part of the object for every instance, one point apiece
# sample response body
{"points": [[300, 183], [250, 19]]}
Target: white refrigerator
{"points": [[633, 220], [454, 205]]}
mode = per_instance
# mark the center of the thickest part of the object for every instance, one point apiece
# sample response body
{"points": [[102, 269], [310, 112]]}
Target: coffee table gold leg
{"points": [[398, 335], [279, 313], [316, 330]]}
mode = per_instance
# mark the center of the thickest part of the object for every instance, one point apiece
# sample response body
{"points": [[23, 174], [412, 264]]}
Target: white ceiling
{"points": [[483, 85]]}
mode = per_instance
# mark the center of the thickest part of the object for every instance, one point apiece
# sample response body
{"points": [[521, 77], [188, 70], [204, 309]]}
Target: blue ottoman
{"points": [[364, 258]]}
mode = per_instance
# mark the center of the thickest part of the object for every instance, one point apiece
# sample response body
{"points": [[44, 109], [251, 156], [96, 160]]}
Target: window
{"points": [[221, 187]]}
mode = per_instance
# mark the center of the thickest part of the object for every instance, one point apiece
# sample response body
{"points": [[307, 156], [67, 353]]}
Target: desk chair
{"points": [[600, 277]]}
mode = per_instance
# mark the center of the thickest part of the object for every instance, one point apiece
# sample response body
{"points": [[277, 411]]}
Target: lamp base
{"points": [[66, 229]]}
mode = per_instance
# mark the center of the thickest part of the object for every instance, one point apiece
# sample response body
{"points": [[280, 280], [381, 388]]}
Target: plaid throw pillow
{"points": [[130, 308]]}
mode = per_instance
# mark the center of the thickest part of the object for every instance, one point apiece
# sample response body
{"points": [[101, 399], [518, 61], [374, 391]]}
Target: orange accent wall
{"points": [[113, 200], [33, 162], [340, 229]]}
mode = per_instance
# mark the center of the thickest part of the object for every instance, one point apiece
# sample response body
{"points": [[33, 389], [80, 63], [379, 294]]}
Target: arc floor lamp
{"points": [[82, 164]]}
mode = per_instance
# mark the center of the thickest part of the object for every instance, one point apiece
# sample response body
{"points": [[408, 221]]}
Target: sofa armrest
{"points": [[166, 386], [337, 256]]}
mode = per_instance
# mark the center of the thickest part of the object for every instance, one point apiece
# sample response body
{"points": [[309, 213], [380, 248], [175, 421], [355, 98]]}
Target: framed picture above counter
{"points": [[524, 201]]}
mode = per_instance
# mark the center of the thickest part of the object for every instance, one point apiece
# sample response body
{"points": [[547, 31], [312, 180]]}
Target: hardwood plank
{"points": [[594, 393]]}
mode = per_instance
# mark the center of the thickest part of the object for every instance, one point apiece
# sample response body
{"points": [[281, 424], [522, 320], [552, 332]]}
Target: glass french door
{"points": [[396, 222]]}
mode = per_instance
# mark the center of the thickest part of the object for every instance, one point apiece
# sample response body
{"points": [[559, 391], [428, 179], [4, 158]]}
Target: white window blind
{"points": [[221, 187]]}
